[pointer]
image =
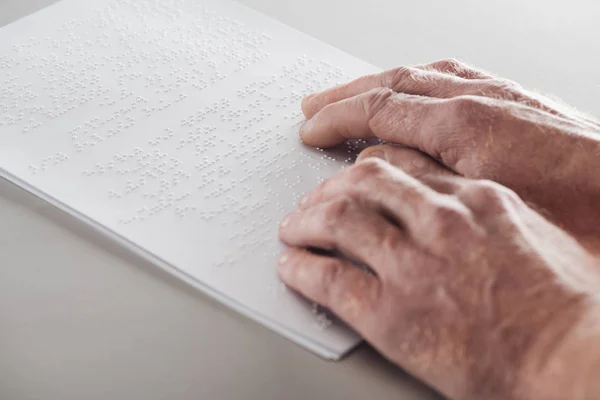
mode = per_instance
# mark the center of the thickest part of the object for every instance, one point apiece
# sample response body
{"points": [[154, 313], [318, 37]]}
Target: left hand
{"points": [[477, 126]]}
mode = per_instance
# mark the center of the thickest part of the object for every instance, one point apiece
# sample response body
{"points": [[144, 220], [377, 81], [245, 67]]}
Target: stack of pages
{"points": [[172, 126]]}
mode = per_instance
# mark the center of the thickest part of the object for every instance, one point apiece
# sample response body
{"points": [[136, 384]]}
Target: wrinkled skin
{"points": [[481, 234], [477, 126]]}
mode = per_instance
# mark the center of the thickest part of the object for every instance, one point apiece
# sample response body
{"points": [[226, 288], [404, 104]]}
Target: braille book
{"points": [[172, 126]]}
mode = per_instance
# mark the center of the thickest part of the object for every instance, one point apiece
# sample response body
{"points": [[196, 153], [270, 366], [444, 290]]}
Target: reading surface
{"points": [[173, 124]]}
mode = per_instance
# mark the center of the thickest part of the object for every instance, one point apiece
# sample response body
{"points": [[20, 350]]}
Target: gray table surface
{"points": [[81, 318]]}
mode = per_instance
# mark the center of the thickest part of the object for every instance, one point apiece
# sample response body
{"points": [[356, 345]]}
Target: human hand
{"points": [[472, 291], [478, 126]]}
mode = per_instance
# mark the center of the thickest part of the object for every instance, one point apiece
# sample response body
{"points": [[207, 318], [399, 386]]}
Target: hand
{"points": [[477, 126], [471, 291]]}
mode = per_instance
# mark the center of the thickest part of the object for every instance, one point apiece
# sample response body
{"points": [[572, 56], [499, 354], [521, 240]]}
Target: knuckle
{"points": [[351, 297], [535, 103], [462, 106], [399, 77], [332, 269], [321, 192], [376, 101], [507, 84], [337, 210], [466, 117], [451, 64], [473, 114], [502, 89], [392, 240], [447, 219], [482, 190], [487, 196]]}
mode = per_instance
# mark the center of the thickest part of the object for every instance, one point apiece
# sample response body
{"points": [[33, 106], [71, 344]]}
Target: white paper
{"points": [[171, 125]]}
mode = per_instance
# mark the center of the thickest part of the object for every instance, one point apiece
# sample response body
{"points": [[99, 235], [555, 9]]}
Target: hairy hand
{"points": [[471, 290], [478, 126]]}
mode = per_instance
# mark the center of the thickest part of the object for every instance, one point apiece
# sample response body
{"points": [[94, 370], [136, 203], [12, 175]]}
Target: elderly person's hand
{"points": [[477, 126], [471, 291], [469, 288]]}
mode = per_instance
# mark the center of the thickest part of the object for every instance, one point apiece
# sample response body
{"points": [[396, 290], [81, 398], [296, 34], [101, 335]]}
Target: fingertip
{"points": [[305, 130], [308, 97], [285, 266], [306, 105], [304, 202], [316, 132], [285, 221], [310, 135], [283, 225]]}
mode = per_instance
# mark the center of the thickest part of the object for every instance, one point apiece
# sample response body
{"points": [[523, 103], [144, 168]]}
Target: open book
{"points": [[171, 125]]}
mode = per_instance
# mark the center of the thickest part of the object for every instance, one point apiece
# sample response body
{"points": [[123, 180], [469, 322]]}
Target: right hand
{"points": [[469, 289], [477, 126]]}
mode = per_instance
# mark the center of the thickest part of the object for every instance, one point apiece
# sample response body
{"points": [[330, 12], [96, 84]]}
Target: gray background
{"points": [[81, 318]]}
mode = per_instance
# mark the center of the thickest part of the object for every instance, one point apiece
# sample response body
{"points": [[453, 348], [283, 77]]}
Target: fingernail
{"points": [[377, 154], [308, 97], [306, 127], [283, 259], [303, 202], [284, 267], [286, 221]]}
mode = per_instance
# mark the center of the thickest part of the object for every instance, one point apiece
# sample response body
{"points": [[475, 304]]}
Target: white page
{"points": [[172, 126]]}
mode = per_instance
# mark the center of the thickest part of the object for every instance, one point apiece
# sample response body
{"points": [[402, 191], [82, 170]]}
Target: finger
{"points": [[447, 183], [353, 229], [445, 129], [418, 165], [395, 118], [457, 68], [349, 292], [418, 209], [411, 161], [343, 120], [407, 80]]}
